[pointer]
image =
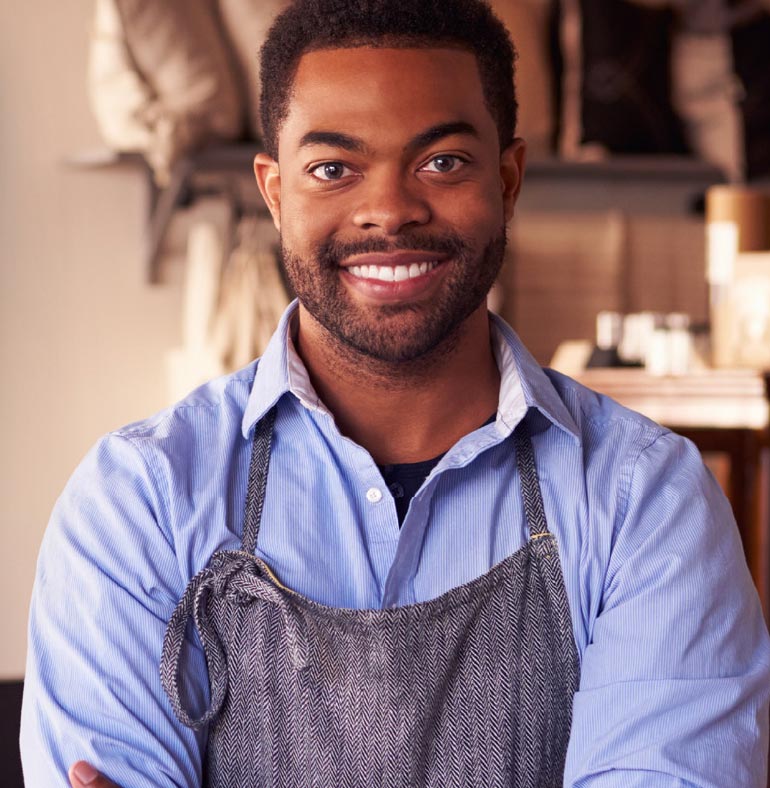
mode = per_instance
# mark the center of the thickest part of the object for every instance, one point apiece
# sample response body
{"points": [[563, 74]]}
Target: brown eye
{"points": [[330, 171], [444, 164]]}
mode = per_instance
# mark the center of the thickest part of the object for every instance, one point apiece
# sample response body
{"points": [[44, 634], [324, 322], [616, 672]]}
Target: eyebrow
{"points": [[439, 131], [335, 139]]}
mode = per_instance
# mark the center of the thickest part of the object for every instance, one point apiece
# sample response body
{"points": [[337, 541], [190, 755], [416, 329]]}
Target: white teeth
{"points": [[389, 273]]}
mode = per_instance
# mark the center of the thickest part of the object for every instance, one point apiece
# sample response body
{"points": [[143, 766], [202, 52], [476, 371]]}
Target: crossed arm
{"points": [[701, 722]]}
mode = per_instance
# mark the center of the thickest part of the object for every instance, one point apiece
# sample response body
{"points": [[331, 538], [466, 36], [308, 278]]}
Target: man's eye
{"points": [[443, 164], [330, 171]]}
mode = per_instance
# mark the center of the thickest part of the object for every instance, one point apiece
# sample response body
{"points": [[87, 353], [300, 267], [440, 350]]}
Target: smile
{"points": [[392, 273]]}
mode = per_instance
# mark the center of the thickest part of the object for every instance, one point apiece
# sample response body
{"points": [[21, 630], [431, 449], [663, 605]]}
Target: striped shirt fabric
{"points": [[674, 652]]}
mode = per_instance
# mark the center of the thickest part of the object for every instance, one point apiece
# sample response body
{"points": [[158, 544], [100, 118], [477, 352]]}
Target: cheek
{"points": [[305, 224], [478, 213]]}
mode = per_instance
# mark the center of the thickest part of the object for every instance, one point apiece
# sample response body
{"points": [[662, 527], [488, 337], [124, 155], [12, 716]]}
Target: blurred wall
{"points": [[82, 335]]}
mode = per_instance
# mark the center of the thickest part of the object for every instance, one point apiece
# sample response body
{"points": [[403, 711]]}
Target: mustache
{"points": [[332, 252]]}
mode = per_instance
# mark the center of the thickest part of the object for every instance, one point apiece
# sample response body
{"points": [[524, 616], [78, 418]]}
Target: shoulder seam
{"points": [[153, 474], [648, 437], [143, 429]]}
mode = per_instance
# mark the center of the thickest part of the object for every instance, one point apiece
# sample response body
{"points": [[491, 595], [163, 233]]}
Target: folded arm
{"points": [[107, 582], [676, 677]]}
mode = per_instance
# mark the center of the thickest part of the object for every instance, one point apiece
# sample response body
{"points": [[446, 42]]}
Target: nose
{"points": [[390, 204]]}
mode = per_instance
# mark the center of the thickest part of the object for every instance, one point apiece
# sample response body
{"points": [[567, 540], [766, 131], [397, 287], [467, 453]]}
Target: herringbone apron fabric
{"points": [[473, 688]]}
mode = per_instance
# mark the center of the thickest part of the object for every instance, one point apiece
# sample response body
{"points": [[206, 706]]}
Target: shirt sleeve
{"points": [[676, 676], [107, 582]]}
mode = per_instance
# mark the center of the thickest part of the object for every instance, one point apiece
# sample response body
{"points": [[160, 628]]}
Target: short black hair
{"points": [[310, 25]]}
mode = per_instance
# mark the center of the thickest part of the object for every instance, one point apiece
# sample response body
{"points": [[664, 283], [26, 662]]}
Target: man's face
{"points": [[390, 196]]}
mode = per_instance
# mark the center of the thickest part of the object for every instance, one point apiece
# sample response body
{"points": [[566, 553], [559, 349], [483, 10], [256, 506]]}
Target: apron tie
{"points": [[241, 578]]}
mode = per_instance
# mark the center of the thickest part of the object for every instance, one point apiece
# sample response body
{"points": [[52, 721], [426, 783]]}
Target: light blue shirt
{"points": [[675, 659]]}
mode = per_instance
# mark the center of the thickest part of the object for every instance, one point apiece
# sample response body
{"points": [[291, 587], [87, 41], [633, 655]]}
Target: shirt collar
{"points": [[523, 384], [280, 371], [522, 379]]}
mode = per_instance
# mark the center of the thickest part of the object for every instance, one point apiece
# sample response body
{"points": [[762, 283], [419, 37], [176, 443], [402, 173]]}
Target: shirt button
{"points": [[373, 495], [397, 491]]}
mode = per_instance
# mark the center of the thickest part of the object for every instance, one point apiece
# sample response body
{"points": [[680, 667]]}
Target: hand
{"points": [[83, 775]]}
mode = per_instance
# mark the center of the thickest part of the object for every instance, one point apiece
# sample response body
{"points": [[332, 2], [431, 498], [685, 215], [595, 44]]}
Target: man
{"points": [[454, 568]]}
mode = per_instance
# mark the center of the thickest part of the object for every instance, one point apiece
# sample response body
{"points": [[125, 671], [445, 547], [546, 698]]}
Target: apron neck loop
{"points": [[257, 484], [260, 461], [530, 484]]}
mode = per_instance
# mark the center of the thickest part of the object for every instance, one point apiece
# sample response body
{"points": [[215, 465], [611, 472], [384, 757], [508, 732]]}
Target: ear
{"points": [[512, 163], [269, 181]]}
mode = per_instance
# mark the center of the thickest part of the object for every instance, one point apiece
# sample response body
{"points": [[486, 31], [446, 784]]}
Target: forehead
{"points": [[388, 90]]}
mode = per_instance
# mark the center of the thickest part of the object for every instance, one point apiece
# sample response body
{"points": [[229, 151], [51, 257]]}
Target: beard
{"points": [[396, 333]]}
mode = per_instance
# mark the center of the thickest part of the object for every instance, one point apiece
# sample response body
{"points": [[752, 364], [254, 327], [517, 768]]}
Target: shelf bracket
{"points": [[163, 204]]}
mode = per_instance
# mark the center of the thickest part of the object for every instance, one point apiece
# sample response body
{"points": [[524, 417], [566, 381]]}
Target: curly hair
{"points": [[310, 25]]}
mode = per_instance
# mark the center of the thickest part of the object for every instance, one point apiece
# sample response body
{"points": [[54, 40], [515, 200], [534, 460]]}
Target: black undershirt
{"points": [[405, 478]]}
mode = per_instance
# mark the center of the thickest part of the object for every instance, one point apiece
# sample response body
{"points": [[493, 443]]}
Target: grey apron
{"points": [[473, 688]]}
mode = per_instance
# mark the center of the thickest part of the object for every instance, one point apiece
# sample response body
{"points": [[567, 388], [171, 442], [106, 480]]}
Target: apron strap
{"points": [[257, 484], [530, 484], [260, 461]]}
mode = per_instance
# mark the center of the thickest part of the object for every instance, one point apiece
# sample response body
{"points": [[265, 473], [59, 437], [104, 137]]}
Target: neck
{"points": [[406, 411]]}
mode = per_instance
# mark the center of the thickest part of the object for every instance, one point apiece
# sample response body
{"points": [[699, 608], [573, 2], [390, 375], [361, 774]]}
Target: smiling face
{"points": [[391, 197]]}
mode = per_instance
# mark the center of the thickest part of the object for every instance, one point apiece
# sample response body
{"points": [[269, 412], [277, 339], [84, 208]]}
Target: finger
{"points": [[83, 775]]}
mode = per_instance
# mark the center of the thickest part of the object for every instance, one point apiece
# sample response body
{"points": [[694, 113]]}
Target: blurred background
{"points": [[137, 260]]}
